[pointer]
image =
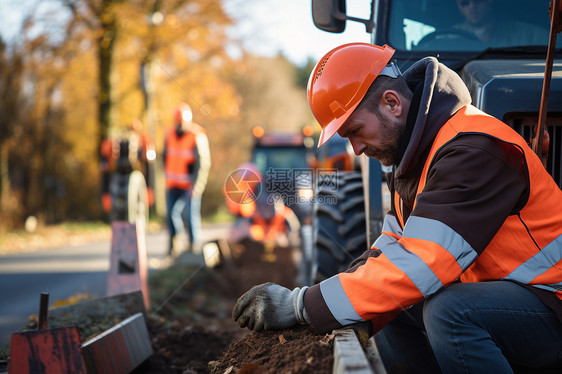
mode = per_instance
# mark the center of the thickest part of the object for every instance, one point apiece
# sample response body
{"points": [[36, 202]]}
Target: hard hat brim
{"points": [[333, 127]]}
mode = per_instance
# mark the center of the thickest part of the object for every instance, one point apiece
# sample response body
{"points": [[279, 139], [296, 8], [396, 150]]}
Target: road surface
{"points": [[68, 271]]}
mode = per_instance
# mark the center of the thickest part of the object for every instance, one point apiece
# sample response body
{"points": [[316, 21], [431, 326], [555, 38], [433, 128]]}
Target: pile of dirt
{"points": [[187, 348], [194, 333], [298, 350]]}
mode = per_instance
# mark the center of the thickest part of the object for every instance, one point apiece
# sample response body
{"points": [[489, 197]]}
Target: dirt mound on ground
{"points": [[195, 328], [294, 351], [187, 349]]}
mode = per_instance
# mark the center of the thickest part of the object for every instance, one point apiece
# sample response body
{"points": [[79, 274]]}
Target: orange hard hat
{"points": [[340, 80], [183, 114]]}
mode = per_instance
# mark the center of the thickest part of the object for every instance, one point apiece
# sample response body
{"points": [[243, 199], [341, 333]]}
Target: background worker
{"points": [[187, 161], [468, 268], [129, 148]]}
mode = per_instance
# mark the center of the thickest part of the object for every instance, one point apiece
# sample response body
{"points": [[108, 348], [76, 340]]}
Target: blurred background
{"points": [[73, 72]]}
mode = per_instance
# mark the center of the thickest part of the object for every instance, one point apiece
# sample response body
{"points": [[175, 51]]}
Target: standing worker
{"points": [[187, 161], [467, 273]]}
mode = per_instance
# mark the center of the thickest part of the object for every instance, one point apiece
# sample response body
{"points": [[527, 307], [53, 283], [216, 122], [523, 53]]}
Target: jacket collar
{"points": [[442, 94]]}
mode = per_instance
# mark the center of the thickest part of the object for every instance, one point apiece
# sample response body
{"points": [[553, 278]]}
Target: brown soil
{"points": [[298, 350], [194, 333]]}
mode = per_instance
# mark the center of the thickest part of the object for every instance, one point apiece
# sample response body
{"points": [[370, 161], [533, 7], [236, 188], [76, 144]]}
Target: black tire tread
{"points": [[340, 228]]}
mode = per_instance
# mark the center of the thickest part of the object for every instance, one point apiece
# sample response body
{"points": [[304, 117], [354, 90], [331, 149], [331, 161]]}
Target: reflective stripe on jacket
{"points": [[180, 153], [420, 256]]}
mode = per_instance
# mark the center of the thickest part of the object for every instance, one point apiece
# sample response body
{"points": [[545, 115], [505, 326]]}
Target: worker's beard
{"points": [[391, 133]]}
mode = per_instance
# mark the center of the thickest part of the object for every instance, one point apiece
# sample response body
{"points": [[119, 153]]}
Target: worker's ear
{"points": [[392, 103]]}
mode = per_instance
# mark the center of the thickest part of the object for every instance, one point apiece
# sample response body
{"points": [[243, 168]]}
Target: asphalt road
{"points": [[68, 271]]}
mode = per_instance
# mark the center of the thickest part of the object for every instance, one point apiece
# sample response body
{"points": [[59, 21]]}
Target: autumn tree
{"points": [[32, 144], [180, 49], [269, 97], [10, 87], [90, 66], [89, 81]]}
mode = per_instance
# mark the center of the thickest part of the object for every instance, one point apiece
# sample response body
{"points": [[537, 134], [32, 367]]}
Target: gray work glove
{"points": [[269, 306]]}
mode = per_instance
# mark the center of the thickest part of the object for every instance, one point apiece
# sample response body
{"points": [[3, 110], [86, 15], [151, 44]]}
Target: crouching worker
{"points": [[467, 273]]}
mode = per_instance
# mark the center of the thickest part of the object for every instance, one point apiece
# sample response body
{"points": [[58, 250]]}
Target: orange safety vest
{"points": [[527, 247], [419, 257], [180, 153]]}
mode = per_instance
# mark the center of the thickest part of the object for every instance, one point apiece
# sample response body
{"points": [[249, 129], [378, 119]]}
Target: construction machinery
{"points": [[271, 195], [339, 214]]}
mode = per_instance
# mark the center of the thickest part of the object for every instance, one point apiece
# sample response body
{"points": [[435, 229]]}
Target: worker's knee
{"points": [[445, 309]]}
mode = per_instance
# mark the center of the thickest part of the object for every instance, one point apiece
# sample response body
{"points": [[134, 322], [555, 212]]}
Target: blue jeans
{"points": [[488, 327], [195, 221], [183, 211]]}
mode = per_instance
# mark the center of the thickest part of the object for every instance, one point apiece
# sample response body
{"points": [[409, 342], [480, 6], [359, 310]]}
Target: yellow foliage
{"points": [[181, 48]]}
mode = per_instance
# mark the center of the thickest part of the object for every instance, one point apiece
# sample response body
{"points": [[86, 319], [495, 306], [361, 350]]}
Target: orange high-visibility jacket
{"points": [[414, 259], [180, 154]]}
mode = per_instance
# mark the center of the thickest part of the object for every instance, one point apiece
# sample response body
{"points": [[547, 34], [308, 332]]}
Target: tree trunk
{"points": [[105, 54], [4, 178]]}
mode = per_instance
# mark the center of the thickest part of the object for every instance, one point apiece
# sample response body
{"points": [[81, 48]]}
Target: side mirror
{"points": [[329, 15]]}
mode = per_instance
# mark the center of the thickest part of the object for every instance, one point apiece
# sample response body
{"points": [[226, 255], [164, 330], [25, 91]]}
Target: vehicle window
{"points": [[414, 31], [467, 25], [280, 158]]}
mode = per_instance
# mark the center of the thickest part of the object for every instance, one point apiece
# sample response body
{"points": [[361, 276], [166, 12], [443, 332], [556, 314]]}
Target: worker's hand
{"points": [[270, 307]]}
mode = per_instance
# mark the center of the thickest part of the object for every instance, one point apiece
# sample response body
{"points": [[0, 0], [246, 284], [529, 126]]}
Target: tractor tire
{"points": [[339, 225], [129, 197]]}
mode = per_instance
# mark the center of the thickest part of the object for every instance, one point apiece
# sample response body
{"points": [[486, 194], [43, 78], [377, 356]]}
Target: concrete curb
{"points": [[351, 358], [374, 357]]}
